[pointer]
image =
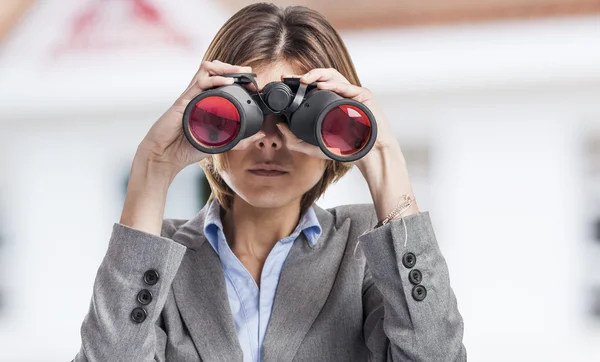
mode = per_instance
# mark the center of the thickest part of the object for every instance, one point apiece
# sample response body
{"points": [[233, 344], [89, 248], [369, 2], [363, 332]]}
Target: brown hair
{"points": [[261, 34]]}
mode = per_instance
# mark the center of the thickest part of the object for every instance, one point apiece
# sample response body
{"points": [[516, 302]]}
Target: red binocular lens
{"points": [[346, 130], [214, 121], [217, 119]]}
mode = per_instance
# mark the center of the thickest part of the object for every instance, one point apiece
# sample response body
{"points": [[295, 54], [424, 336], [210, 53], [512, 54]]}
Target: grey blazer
{"points": [[330, 304]]}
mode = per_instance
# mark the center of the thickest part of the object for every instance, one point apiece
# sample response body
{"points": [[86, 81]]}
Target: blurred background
{"points": [[496, 105]]}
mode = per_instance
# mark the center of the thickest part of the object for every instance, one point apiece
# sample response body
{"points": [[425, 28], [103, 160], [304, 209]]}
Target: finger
{"points": [[286, 132], [236, 68], [346, 90], [290, 138], [214, 68], [293, 143], [204, 83], [214, 81], [323, 75], [246, 142], [290, 76], [205, 66], [217, 68], [208, 68]]}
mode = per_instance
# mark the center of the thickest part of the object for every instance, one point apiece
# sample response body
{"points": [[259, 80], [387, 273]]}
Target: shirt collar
{"points": [[213, 226]]}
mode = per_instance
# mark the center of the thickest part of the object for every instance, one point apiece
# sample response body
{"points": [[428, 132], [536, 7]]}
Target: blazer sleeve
{"points": [[129, 293], [410, 310]]}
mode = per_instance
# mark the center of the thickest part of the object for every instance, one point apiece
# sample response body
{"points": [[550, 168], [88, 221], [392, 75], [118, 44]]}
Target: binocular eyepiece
{"points": [[218, 118]]}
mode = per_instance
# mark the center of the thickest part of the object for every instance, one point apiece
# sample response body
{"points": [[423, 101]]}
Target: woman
{"points": [[262, 273]]}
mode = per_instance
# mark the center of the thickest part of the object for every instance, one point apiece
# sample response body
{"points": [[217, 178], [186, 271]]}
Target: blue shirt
{"points": [[251, 307]]}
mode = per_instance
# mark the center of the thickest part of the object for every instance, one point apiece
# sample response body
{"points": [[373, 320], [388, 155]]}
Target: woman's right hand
{"points": [[166, 143], [165, 151]]}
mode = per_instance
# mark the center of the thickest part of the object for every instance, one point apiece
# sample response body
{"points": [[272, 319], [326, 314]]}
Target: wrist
{"points": [[386, 173], [381, 166], [146, 196], [153, 169]]}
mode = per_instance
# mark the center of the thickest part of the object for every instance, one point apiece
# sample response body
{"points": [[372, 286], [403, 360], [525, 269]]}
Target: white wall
{"points": [[501, 109]]}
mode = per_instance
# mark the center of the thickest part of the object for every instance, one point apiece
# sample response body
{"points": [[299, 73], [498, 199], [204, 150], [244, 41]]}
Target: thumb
{"points": [[283, 128]]}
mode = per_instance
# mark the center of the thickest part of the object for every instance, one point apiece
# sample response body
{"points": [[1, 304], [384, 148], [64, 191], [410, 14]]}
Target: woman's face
{"points": [[267, 174]]}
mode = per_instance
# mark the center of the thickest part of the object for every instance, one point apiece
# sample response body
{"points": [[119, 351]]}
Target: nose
{"points": [[273, 139]]}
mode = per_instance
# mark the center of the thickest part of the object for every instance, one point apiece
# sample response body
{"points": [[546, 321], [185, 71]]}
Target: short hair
{"points": [[261, 34]]}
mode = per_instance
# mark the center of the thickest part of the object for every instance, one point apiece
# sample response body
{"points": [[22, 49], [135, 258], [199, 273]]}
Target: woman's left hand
{"points": [[331, 79], [384, 167]]}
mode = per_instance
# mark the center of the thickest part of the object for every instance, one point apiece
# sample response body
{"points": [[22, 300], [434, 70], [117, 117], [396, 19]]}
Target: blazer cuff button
{"points": [[419, 293], [144, 297], [139, 315], [415, 277], [409, 260], [151, 277]]}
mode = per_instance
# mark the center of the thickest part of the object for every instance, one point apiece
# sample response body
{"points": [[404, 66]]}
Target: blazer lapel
{"points": [[201, 296], [304, 285]]}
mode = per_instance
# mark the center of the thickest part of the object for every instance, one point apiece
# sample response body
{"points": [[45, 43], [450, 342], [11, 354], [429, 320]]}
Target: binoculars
{"points": [[218, 118]]}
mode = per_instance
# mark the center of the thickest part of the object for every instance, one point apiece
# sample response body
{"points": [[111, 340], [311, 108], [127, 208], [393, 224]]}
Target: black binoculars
{"points": [[218, 118]]}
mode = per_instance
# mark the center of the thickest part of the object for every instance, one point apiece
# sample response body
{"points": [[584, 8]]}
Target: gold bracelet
{"points": [[403, 204]]}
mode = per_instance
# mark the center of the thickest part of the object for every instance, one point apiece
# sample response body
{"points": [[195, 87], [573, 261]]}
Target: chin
{"points": [[267, 199], [265, 195]]}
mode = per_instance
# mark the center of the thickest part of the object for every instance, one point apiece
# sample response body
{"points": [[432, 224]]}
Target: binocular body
{"points": [[218, 118]]}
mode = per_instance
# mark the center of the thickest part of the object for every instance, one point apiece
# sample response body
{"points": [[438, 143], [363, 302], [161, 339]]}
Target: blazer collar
{"points": [[305, 282], [191, 233]]}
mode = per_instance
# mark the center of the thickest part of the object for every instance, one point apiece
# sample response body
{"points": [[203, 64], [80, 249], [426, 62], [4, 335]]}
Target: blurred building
{"points": [[496, 105]]}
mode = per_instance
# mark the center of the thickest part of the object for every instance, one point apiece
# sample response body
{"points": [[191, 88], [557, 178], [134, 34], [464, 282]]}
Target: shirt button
{"points": [[144, 297], [151, 277], [419, 293], [139, 315], [409, 260], [415, 276]]}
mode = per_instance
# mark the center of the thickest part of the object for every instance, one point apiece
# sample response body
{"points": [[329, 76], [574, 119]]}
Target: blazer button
{"points": [[151, 277], [139, 315], [144, 297], [409, 260], [419, 293], [415, 276]]}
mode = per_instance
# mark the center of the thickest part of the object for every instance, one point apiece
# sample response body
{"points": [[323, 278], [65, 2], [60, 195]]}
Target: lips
{"points": [[268, 170], [268, 173]]}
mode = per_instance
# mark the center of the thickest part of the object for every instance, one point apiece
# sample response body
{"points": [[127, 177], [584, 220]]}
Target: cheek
{"points": [[231, 166], [311, 171]]}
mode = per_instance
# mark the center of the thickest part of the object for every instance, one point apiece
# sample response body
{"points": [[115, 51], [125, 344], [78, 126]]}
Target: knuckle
{"points": [[201, 78], [205, 82]]}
